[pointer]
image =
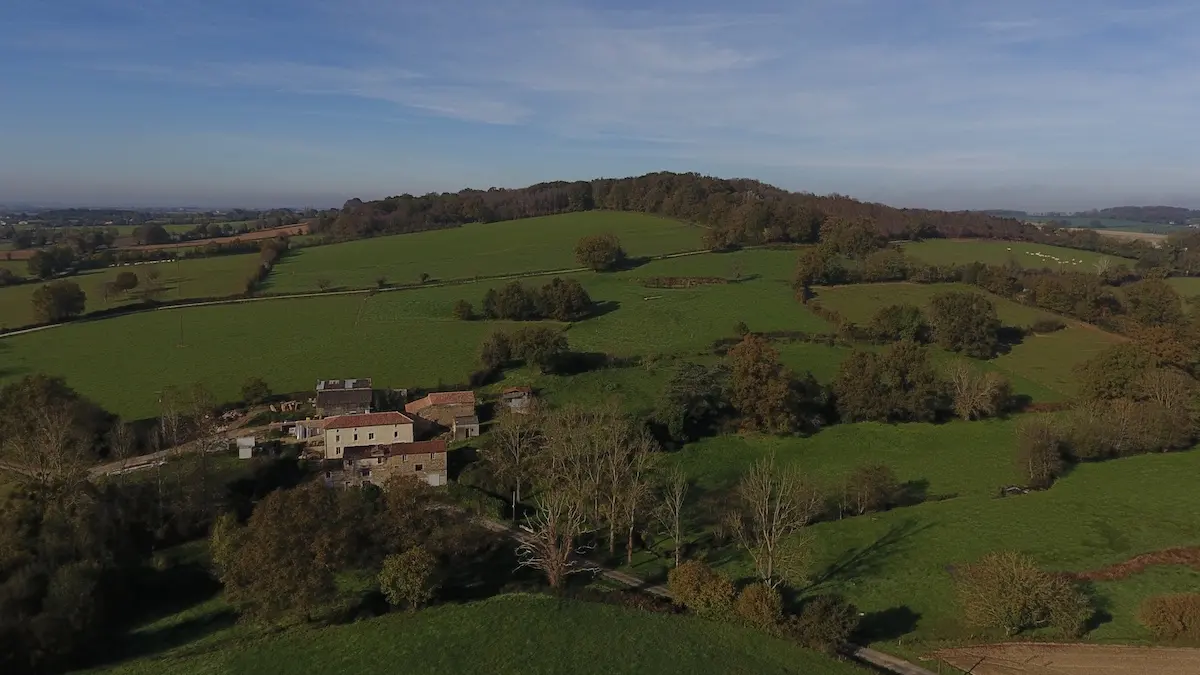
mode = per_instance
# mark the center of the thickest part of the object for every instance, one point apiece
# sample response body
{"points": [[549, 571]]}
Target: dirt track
{"points": [[1072, 659]]}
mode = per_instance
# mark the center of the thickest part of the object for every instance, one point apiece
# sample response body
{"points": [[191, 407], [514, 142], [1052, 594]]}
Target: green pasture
{"points": [[1036, 256], [1189, 288], [1110, 224], [403, 338], [860, 302], [897, 564], [511, 634], [197, 278], [477, 250], [1041, 366]]}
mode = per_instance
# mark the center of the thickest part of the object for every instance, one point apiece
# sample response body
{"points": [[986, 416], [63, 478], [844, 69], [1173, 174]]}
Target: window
{"points": [[379, 461], [395, 434], [338, 438], [356, 437], [329, 474], [371, 436], [419, 467]]}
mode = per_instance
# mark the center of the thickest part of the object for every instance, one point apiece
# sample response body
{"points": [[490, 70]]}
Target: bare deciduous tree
{"points": [[977, 395], [512, 446], [121, 445], [51, 447], [636, 490], [670, 508], [551, 541], [776, 503]]}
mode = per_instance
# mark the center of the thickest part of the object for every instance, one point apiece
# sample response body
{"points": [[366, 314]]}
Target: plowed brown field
{"points": [[1072, 659]]}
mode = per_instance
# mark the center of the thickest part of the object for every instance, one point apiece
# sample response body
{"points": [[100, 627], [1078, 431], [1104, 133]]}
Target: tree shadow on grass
{"points": [[888, 624], [1009, 337], [186, 632], [867, 560]]}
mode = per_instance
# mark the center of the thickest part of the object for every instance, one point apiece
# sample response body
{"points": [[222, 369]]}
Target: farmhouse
{"points": [[442, 408], [344, 397], [517, 399], [375, 464], [347, 431]]}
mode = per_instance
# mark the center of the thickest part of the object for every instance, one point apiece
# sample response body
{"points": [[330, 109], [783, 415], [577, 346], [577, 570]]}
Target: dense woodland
{"points": [[740, 210]]}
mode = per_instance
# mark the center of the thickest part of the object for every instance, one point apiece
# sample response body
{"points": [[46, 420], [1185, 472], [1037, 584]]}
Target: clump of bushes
{"points": [[1172, 617], [824, 623], [1009, 592], [1047, 325], [697, 587], [561, 300], [760, 606]]}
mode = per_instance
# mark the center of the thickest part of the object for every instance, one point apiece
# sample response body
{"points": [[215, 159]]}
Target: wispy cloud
{"points": [[920, 90]]}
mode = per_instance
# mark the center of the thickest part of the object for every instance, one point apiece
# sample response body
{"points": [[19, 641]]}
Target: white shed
{"points": [[245, 445]]}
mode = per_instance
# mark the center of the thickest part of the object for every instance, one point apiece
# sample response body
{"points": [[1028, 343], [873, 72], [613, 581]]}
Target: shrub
{"points": [[696, 586], [966, 323], [1047, 325], [740, 329], [1039, 454], [899, 322], [255, 390], [1008, 591], [407, 579], [825, 623], [760, 606], [871, 488], [463, 311], [125, 281], [496, 350], [1172, 617]]}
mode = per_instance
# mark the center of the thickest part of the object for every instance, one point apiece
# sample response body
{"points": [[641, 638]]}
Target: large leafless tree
{"points": [[672, 496], [512, 449], [775, 504]]}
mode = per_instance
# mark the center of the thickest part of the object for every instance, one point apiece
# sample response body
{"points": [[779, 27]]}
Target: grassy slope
{"points": [[198, 278], [956, 251], [1041, 366], [504, 635], [478, 250], [1097, 515], [402, 339], [1189, 288]]}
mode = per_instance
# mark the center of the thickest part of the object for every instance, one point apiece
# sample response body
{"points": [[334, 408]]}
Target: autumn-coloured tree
{"points": [[760, 388], [601, 252]]}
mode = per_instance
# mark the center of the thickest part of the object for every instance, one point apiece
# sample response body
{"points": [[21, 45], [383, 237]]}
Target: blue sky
{"points": [[1039, 104]]}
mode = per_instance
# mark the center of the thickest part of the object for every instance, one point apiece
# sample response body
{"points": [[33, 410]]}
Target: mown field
{"points": [[477, 250], [513, 634], [1189, 288], [1110, 224], [961, 251], [197, 278]]}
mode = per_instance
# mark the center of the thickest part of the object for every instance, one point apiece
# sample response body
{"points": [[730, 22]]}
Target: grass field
{"points": [[402, 339], [897, 562], [1041, 366], [1189, 288], [1111, 224], [962, 251], [477, 250], [196, 278], [513, 634]]}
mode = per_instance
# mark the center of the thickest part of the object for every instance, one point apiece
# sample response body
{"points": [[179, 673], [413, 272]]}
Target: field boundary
{"points": [[209, 302]]}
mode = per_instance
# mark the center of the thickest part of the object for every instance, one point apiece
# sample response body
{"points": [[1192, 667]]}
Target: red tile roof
{"points": [[517, 390], [367, 420], [441, 398], [388, 450]]}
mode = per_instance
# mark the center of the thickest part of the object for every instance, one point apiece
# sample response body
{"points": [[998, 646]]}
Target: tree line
{"points": [[738, 210]]}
